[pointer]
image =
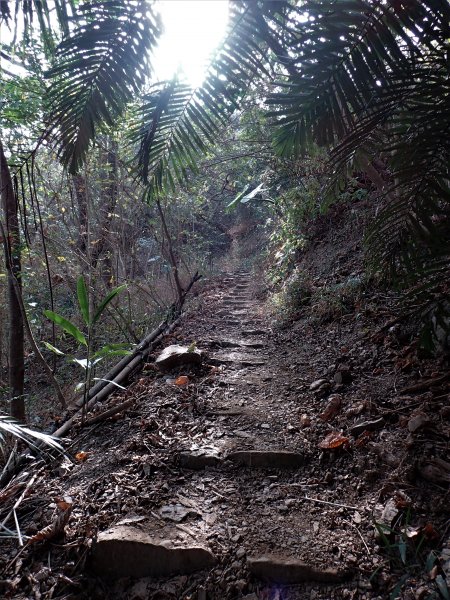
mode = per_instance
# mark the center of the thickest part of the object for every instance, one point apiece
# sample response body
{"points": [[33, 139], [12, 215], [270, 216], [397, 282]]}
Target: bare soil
{"points": [[384, 462]]}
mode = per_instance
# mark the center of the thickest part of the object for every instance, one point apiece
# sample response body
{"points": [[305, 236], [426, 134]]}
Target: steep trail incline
{"points": [[225, 487]]}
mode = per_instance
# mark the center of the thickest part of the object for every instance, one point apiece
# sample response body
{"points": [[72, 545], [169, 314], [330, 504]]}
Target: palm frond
{"points": [[346, 53], [50, 25], [35, 439], [98, 69], [177, 124]]}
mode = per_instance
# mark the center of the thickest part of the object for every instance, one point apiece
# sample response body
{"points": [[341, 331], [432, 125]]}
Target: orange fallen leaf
{"points": [[363, 439], [430, 533], [334, 440], [82, 456], [182, 380]]}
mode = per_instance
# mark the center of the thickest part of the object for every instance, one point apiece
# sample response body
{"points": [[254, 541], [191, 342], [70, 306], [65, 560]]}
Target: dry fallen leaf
{"points": [[82, 456], [56, 527], [182, 380], [334, 440], [332, 408]]}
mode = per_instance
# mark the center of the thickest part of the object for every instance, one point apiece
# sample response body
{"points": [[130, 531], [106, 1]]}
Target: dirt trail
{"points": [[227, 469]]}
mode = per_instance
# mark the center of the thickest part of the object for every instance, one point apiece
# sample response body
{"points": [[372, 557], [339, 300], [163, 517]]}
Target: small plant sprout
{"points": [[87, 340]]}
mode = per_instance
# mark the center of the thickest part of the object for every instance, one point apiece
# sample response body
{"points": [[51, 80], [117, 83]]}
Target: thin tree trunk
{"points": [[102, 250], [13, 268], [79, 184], [171, 253]]}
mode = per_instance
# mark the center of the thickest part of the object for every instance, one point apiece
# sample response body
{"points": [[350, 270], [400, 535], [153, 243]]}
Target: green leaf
{"points": [[67, 326], [395, 594], [112, 350], [106, 301], [238, 198], [442, 587], [83, 300], [402, 549], [53, 349]]}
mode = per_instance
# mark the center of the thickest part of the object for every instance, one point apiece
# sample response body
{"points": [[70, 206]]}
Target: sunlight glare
{"points": [[193, 29]]}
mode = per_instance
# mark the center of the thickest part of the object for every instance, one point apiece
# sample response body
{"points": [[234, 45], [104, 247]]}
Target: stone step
{"points": [[253, 332], [234, 302], [245, 360], [267, 459], [196, 460], [148, 551], [285, 570]]}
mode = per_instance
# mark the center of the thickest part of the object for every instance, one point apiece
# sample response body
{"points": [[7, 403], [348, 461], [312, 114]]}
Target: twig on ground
{"points": [[21, 497], [424, 385], [330, 503], [109, 413], [360, 535], [19, 533]]}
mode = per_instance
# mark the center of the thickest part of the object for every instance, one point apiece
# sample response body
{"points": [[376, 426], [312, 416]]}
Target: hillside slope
{"points": [[269, 467]]}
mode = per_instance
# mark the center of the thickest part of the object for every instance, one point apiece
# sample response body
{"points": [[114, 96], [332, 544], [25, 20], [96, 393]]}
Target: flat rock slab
{"points": [[246, 360], [267, 459], [198, 460], [176, 355], [125, 551], [279, 569], [256, 332]]}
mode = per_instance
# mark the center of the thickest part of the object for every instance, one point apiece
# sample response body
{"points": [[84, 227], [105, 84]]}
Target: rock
{"points": [[250, 597], [124, 551], [318, 384], [343, 375], [240, 552], [198, 460], [279, 569], [305, 420], [176, 512], [267, 459], [176, 355], [246, 360], [435, 470], [418, 420]]}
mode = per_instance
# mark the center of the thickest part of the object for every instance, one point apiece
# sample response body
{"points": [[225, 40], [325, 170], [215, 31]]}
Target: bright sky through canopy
{"points": [[193, 29]]}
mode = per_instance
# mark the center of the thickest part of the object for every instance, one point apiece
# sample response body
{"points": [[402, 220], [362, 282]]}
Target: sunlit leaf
{"points": [[106, 301], [121, 387], [53, 349], [67, 326], [83, 299]]}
